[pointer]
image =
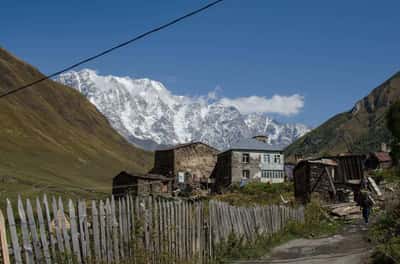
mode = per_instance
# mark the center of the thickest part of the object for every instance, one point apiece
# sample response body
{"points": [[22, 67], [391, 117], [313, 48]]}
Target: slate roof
{"points": [[254, 144], [183, 145]]}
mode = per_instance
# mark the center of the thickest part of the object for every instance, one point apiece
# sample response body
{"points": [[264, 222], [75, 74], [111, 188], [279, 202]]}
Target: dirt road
{"points": [[348, 247]]}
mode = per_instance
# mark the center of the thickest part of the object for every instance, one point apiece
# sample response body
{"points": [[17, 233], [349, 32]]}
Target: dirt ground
{"points": [[348, 247]]}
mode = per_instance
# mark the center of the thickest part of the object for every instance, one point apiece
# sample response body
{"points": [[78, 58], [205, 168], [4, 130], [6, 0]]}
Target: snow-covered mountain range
{"points": [[147, 114]]}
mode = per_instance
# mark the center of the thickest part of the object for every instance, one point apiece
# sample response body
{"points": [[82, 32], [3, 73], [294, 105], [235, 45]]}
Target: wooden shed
{"points": [[315, 176], [141, 184], [335, 178]]}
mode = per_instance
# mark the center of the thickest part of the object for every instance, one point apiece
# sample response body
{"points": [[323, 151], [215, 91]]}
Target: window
{"points": [[264, 174], [266, 158], [246, 174], [245, 157], [277, 158]]}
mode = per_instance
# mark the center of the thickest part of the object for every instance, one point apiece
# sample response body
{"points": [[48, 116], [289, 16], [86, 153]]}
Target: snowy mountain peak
{"points": [[147, 114]]}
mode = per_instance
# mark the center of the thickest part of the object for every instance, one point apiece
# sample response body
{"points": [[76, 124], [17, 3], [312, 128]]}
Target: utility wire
{"points": [[143, 35]]}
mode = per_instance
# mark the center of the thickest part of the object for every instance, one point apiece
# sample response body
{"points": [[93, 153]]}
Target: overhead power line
{"points": [[100, 54]]}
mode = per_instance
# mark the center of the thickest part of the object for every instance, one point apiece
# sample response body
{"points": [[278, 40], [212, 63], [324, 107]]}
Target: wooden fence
{"points": [[130, 230]]}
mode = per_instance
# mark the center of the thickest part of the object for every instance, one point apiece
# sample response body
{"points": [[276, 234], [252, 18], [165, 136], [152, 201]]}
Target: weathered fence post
{"points": [[13, 232], [25, 234], [3, 240]]}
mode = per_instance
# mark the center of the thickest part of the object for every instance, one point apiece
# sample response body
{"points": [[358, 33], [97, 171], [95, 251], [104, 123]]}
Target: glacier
{"points": [[148, 115]]}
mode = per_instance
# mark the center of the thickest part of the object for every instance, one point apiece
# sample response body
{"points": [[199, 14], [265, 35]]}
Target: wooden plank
{"points": [[125, 213], [211, 221], [132, 227], [64, 228], [120, 228], [173, 230], [103, 237], [163, 230], [13, 232], [28, 251], [127, 217], [150, 227], [169, 228], [187, 231], [129, 224], [48, 221], [81, 231], [74, 231], [57, 226], [192, 230], [137, 226], [157, 229], [115, 230], [109, 232], [166, 229], [34, 234], [96, 233], [3, 240], [86, 228], [156, 224], [213, 210]]}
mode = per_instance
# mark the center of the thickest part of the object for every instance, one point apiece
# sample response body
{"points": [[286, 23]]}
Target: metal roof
{"points": [[382, 156], [254, 144]]}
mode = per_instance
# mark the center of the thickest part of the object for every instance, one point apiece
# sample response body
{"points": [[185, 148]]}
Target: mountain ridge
{"points": [[53, 139], [146, 113], [361, 129]]}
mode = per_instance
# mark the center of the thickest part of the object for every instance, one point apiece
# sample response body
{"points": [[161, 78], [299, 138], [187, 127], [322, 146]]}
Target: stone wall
{"points": [[198, 160]]}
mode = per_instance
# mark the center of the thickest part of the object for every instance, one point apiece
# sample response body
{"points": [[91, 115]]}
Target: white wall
{"points": [[273, 167]]}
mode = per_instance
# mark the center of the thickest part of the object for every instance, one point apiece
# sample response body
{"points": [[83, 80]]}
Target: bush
{"points": [[257, 193], [385, 233]]}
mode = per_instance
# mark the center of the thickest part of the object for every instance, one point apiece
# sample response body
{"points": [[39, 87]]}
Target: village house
{"points": [[190, 163], [141, 184], [378, 160], [250, 159], [336, 178]]}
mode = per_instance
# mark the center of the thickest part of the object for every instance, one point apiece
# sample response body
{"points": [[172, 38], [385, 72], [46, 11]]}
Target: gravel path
{"points": [[349, 247]]}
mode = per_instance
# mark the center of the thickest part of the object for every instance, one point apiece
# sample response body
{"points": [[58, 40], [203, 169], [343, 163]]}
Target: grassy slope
{"points": [[52, 139], [364, 129]]}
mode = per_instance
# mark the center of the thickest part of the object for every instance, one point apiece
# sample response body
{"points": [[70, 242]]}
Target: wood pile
{"points": [[346, 211]]}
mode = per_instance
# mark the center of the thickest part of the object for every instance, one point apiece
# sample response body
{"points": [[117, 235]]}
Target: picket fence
{"points": [[131, 229]]}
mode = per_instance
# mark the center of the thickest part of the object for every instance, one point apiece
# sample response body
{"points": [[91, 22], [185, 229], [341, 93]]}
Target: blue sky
{"points": [[331, 53]]}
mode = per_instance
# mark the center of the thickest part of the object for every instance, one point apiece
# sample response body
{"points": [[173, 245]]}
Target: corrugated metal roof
{"points": [[382, 156], [254, 144]]}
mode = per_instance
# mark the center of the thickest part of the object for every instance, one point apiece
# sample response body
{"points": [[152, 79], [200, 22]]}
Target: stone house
{"points": [[190, 163], [250, 159]]}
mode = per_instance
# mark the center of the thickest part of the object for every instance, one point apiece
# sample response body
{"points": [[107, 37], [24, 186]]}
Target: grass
{"points": [[315, 225], [391, 175], [257, 193]]}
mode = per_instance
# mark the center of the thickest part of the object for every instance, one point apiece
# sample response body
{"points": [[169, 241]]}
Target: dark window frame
{"points": [[245, 157]]}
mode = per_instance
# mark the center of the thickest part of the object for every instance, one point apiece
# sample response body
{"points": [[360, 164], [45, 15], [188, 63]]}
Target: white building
{"points": [[251, 159]]}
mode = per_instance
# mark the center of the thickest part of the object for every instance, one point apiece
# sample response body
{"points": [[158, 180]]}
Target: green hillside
{"points": [[360, 130], [53, 140]]}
